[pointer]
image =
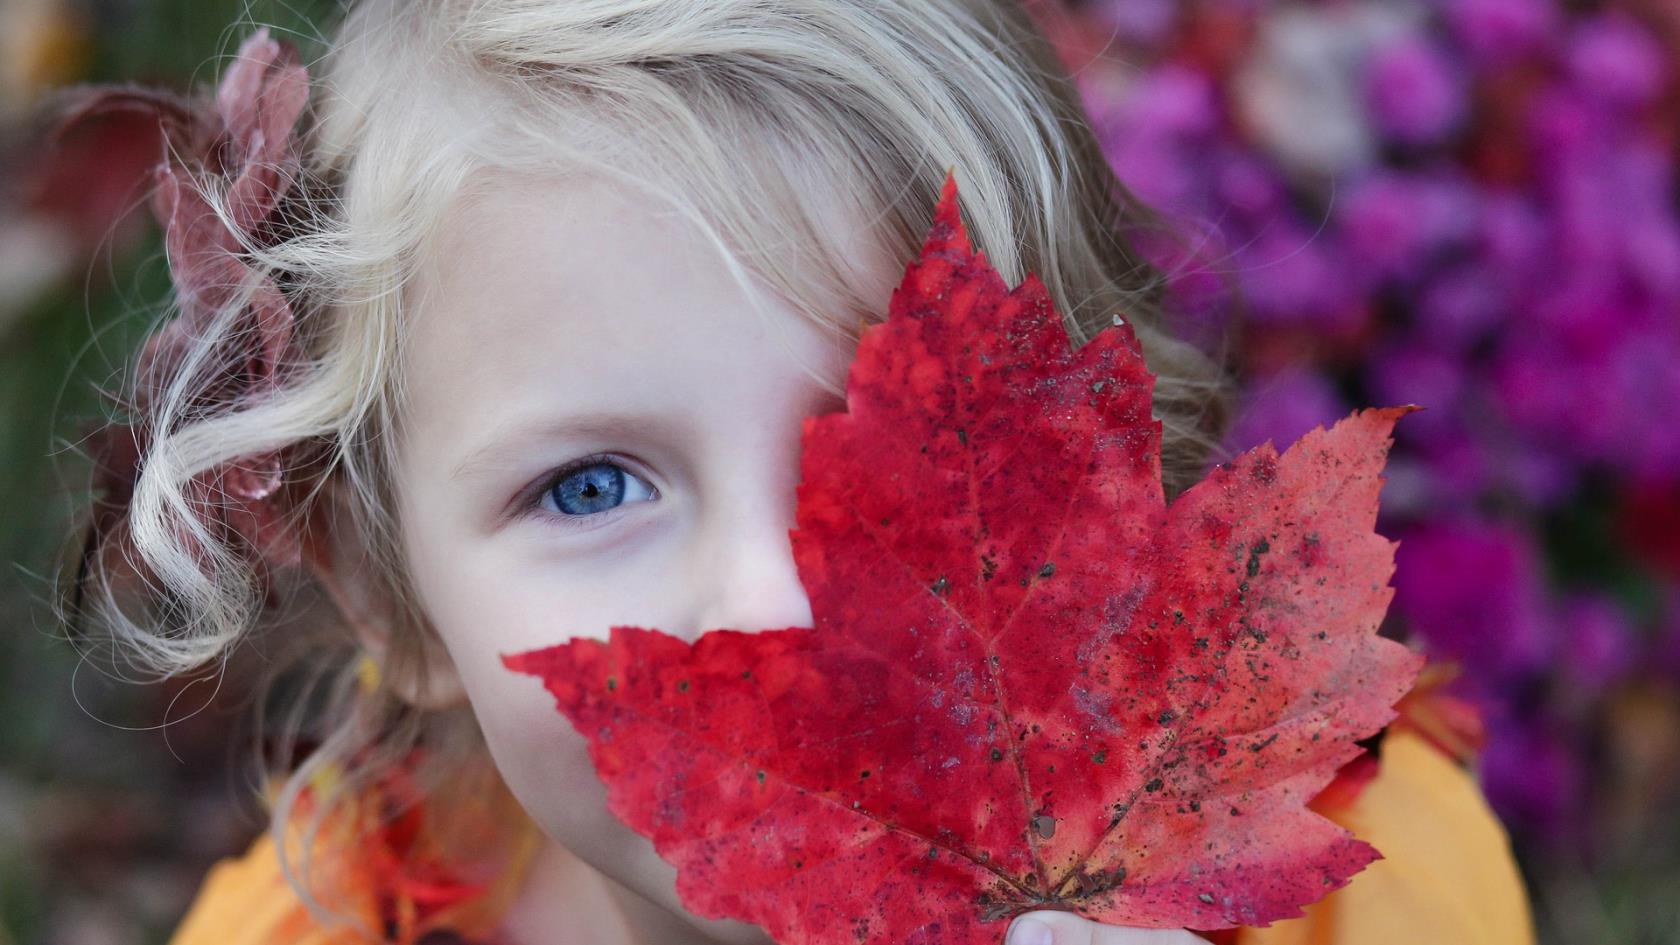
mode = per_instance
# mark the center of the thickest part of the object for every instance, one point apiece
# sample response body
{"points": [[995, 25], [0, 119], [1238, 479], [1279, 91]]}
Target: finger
{"points": [[1065, 928]]}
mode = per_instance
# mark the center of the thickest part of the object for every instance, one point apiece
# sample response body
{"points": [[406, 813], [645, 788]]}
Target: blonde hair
{"points": [[743, 114]]}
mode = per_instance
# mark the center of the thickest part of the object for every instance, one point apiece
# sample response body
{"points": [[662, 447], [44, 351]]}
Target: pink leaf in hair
{"points": [[199, 246], [225, 170], [260, 100]]}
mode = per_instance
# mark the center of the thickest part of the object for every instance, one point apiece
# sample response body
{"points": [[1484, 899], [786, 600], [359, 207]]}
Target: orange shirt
{"points": [[1447, 876]]}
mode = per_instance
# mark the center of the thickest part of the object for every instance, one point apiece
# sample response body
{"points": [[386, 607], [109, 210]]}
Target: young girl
{"points": [[500, 328]]}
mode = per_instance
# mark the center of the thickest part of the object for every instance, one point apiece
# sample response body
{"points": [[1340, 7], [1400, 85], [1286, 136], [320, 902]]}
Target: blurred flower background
{"points": [[1469, 205]]}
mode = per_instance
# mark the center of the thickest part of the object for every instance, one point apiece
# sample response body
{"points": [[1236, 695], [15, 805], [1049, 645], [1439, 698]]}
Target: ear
{"points": [[336, 554]]}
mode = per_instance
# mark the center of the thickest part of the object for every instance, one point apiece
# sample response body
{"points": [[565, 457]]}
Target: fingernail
{"points": [[1030, 932]]}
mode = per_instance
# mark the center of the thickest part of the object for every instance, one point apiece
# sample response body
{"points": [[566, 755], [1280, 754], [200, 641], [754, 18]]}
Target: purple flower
{"points": [[1532, 774], [1284, 406], [1461, 306], [1141, 21], [1598, 643], [1293, 274], [1460, 465], [1247, 185], [1415, 93], [1617, 61], [1667, 648], [1653, 254], [1394, 223], [1420, 374], [1472, 591], [1173, 100], [1496, 31], [1539, 477], [1156, 137], [1594, 377], [1512, 235]]}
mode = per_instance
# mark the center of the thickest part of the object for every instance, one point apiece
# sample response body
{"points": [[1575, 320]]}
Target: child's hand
{"points": [[1065, 928]]}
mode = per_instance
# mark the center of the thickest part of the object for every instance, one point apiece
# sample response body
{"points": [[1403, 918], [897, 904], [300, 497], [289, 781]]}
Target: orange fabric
{"points": [[1446, 876], [384, 868], [247, 901]]}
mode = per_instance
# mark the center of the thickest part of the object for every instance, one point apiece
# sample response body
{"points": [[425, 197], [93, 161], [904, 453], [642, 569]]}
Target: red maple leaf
{"points": [[1031, 682]]}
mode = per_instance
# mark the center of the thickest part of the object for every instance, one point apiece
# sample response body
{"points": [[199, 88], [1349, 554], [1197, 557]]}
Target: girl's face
{"points": [[599, 430]]}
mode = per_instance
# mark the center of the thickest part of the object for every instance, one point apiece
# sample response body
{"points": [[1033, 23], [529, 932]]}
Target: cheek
{"points": [[544, 762], [483, 606]]}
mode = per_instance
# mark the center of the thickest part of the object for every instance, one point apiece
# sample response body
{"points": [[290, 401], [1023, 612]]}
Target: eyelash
{"points": [[534, 503]]}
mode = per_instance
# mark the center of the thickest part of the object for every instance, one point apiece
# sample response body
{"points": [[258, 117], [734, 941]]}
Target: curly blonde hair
{"points": [[743, 114]]}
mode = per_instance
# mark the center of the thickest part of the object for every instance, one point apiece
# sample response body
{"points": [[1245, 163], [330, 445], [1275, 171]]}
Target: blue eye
{"points": [[597, 486]]}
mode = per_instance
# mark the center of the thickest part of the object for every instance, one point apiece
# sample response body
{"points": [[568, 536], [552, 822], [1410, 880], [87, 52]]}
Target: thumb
{"points": [[1065, 928]]}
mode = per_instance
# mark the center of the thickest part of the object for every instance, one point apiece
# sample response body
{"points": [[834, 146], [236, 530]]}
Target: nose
{"points": [[743, 574]]}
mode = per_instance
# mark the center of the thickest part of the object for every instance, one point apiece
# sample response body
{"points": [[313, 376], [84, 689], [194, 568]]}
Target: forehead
{"points": [[536, 294]]}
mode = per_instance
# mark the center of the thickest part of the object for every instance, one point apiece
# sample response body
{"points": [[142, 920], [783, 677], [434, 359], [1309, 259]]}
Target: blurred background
{"points": [[1465, 204]]}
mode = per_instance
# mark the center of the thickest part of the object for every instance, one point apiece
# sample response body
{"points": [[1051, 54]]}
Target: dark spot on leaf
{"points": [[1260, 547], [1206, 897], [940, 586], [1154, 785], [1201, 643], [864, 773], [682, 685], [761, 776], [1272, 738], [1048, 569], [1044, 825], [997, 754], [1166, 716], [1101, 757], [962, 437], [612, 683]]}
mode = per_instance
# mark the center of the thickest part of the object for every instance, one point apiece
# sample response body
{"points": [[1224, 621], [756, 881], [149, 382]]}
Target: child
{"points": [[510, 338]]}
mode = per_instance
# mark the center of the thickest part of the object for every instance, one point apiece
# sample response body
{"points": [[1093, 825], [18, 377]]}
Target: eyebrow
{"points": [[512, 438]]}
